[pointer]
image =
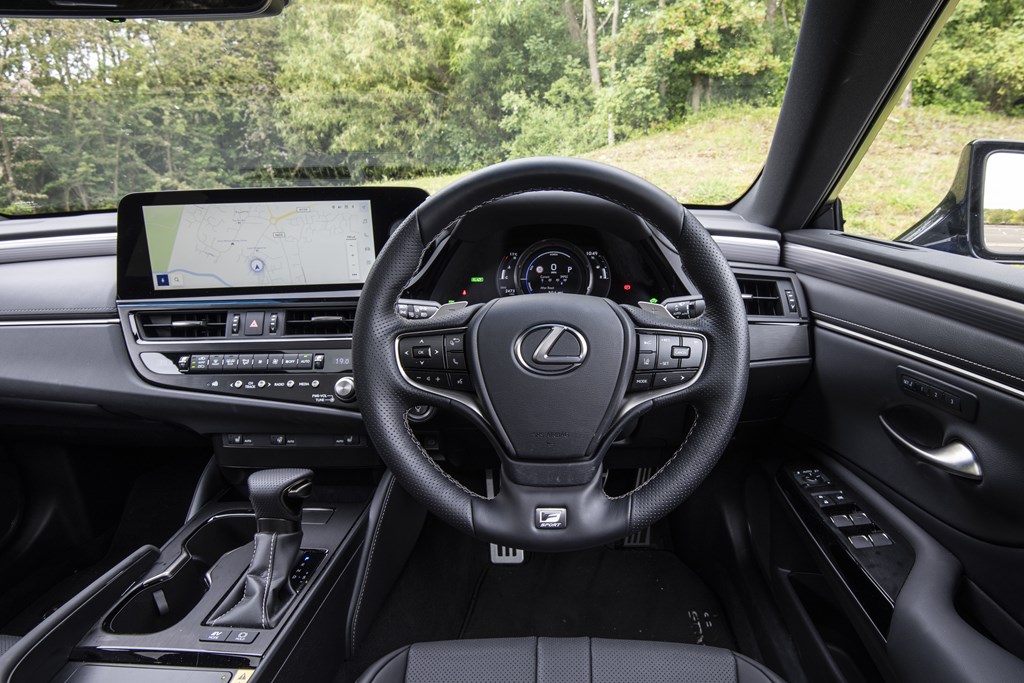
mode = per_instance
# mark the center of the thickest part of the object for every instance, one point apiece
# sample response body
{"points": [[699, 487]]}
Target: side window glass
{"points": [[946, 170]]}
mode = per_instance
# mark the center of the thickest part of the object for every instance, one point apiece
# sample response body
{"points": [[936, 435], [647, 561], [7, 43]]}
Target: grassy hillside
{"points": [[713, 158]]}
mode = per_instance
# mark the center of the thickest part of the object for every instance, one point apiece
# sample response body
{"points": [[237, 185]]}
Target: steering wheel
{"points": [[551, 378]]}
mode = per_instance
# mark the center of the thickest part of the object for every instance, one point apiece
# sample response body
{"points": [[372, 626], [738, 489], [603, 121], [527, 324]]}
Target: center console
{"points": [[227, 598], [247, 294]]}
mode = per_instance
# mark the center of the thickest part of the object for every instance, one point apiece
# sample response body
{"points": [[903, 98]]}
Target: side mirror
{"points": [[982, 215], [1002, 204]]}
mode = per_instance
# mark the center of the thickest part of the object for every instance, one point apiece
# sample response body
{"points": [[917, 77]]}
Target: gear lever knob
{"points": [[276, 496]]}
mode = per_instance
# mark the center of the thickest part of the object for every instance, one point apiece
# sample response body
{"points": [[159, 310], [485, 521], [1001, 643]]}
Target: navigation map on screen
{"points": [[259, 244]]}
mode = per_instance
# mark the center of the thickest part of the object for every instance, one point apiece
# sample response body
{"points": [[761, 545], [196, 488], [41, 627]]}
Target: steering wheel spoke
{"points": [[550, 517]]}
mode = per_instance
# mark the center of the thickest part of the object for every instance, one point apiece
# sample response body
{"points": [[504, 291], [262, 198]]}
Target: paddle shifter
{"points": [[265, 591]]}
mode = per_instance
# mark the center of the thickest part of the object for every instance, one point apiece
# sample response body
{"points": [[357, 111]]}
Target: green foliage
{"points": [[976, 62], [97, 110], [1004, 217], [377, 90], [563, 121]]}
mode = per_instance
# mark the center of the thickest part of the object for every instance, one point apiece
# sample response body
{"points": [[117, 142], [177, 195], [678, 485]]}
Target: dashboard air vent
{"points": [[182, 324], [319, 322], [761, 297]]}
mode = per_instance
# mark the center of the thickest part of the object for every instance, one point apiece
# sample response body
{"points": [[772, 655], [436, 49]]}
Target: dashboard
{"points": [[258, 357]]}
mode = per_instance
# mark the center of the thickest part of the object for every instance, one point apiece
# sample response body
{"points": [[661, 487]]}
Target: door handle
{"points": [[955, 457]]}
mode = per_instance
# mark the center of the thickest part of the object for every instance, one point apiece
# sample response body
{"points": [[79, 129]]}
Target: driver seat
{"points": [[564, 660]]}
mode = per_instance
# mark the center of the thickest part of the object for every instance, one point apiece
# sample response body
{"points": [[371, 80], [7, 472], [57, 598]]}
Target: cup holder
{"points": [[162, 601]]}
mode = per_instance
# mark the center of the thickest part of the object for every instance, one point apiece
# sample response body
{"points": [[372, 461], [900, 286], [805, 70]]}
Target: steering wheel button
{"points": [[695, 353], [670, 379], [681, 351], [456, 361], [645, 361], [432, 379], [647, 342], [454, 342], [421, 352], [666, 361], [641, 382]]}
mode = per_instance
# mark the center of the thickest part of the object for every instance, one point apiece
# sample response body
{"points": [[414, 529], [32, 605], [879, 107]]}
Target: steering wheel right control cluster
{"points": [[436, 360], [665, 359]]}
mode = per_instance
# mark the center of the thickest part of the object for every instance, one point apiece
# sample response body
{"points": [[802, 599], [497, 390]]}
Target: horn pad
{"points": [[556, 368]]}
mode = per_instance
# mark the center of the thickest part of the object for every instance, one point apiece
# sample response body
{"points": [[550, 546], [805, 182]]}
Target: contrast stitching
{"points": [[270, 574], [918, 344], [245, 586], [590, 655], [679, 450], [369, 561], [536, 660], [423, 452]]}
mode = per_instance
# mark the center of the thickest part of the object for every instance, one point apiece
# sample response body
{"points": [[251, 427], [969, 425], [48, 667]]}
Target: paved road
{"points": [[1005, 239]]}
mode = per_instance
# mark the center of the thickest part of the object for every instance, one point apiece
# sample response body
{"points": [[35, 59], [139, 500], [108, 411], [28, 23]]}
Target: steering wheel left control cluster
{"points": [[436, 360]]}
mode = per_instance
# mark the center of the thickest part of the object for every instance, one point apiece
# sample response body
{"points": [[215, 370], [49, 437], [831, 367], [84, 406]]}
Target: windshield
{"points": [[684, 93]]}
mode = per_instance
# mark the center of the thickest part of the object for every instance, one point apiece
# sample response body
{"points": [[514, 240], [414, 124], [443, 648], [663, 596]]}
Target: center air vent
{"points": [[761, 297], [182, 324], [319, 322]]}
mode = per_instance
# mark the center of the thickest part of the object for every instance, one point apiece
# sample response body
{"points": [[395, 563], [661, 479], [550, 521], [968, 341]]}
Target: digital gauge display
{"points": [[553, 267]]}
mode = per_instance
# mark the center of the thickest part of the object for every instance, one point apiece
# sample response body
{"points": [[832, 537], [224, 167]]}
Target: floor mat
{"points": [[448, 590], [630, 594]]}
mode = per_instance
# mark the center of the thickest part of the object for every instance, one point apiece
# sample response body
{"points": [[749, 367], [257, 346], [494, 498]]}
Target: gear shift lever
{"points": [[262, 594], [276, 497]]}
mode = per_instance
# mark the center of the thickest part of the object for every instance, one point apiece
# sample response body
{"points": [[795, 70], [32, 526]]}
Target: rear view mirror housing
{"points": [[179, 10], [982, 215]]}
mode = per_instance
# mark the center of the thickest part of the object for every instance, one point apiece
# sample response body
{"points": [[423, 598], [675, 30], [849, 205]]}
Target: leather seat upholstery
{"points": [[564, 660]]}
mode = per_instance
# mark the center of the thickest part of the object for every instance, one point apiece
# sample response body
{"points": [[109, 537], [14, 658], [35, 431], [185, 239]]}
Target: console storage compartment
{"points": [[165, 599]]}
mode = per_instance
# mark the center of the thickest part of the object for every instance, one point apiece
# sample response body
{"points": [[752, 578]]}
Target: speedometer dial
{"points": [[553, 270]]}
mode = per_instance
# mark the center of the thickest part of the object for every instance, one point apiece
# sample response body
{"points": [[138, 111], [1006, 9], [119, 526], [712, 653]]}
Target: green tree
{"points": [[976, 61], [364, 84]]}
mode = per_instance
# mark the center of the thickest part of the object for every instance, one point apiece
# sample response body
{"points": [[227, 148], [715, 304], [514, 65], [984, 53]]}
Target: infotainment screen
{"points": [[259, 244], [259, 241]]}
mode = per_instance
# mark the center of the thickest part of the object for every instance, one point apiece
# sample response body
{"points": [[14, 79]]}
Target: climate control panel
{"points": [[312, 377]]}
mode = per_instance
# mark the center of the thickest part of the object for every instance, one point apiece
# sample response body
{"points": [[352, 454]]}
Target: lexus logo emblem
{"points": [[551, 349]]}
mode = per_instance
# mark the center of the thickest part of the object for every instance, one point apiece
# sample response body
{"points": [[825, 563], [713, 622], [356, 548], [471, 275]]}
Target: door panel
{"points": [[857, 380], [942, 363]]}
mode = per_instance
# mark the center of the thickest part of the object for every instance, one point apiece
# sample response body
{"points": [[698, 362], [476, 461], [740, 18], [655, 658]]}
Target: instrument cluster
{"points": [[553, 266]]}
